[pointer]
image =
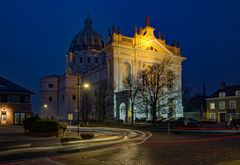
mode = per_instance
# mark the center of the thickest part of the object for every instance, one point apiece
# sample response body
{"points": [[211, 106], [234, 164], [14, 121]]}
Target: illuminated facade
{"points": [[93, 62], [15, 103]]}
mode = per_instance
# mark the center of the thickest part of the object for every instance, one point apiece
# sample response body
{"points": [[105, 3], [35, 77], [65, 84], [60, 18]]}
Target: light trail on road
{"points": [[106, 146]]}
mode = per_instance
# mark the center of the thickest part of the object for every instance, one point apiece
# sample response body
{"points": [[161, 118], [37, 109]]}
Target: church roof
{"points": [[7, 86], [87, 38]]}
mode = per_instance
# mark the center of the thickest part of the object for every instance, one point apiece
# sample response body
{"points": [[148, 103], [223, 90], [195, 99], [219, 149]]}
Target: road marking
{"points": [[145, 138]]}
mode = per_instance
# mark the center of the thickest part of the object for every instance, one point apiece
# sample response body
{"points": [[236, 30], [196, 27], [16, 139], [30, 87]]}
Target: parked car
{"points": [[180, 122]]}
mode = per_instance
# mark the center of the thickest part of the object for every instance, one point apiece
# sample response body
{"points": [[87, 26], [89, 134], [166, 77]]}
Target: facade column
{"points": [[126, 111], [117, 109]]}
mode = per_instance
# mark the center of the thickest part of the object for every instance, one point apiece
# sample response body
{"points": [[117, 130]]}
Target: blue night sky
{"points": [[35, 35]]}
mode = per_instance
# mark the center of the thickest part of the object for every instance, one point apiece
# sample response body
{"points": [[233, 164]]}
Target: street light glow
{"points": [[45, 105], [86, 85]]}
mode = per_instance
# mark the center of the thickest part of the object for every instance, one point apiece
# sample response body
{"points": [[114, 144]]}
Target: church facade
{"points": [[91, 61]]}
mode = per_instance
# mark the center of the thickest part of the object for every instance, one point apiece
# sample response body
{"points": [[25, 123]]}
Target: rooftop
{"points": [[229, 91], [7, 86]]}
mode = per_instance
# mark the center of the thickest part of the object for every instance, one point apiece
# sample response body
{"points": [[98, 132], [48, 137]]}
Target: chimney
{"points": [[222, 85]]}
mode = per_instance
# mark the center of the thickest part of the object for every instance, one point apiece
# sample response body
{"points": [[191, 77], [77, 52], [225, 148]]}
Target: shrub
{"points": [[28, 123], [120, 121], [62, 125], [141, 120], [46, 125], [87, 135]]}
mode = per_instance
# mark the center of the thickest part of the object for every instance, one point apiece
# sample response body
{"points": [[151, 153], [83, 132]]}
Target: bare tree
{"points": [[130, 83], [102, 99], [157, 87]]}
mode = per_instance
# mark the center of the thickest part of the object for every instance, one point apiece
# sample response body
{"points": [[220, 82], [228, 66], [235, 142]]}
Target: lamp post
{"points": [[85, 85], [45, 107]]}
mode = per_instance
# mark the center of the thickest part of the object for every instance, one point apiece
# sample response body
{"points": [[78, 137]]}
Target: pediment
{"points": [[155, 46]]}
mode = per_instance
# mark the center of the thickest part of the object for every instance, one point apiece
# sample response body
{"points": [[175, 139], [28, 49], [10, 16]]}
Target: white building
{"points": [[92, 61]]}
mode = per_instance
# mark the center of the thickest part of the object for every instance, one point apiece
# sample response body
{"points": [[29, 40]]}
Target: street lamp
{"points": [[85, 85], [45, 106]]}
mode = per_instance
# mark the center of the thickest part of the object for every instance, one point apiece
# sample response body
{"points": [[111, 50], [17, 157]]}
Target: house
{"points": [[15, 102], [224, 104]]}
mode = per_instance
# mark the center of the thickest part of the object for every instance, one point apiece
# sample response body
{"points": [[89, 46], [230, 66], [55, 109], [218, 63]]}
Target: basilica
{"points": [[95, 71]]}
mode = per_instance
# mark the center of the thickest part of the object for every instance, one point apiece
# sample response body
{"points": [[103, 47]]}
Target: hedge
{"points": [[49, 126], [46, 125], [28, 123]]}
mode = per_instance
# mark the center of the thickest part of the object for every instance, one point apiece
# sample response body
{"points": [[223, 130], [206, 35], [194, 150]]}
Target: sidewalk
{"points": [[13, 136]]}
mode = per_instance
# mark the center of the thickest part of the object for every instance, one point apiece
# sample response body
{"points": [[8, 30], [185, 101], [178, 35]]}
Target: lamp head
{"points": [[86, 85]]}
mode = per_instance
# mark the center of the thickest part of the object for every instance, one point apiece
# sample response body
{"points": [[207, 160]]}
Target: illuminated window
{"points": [[222, 94], [221, 105], [213, 116], [237, 93], [232, 104], [19, 117], [16, 118], [212, 105], [22, 118]]}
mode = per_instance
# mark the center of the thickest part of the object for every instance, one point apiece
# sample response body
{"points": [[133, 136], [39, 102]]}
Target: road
{"points": [[15, 150], [160, 149]]}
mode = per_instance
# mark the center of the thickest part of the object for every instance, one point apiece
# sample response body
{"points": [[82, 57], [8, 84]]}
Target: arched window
{"points": [[126, 71]]}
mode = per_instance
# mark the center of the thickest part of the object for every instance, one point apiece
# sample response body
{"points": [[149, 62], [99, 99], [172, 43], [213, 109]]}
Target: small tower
{"points": [[147, 21]]}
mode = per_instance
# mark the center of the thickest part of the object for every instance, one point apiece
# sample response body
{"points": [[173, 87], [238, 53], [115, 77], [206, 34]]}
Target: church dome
{"points": [[87, 38]]}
